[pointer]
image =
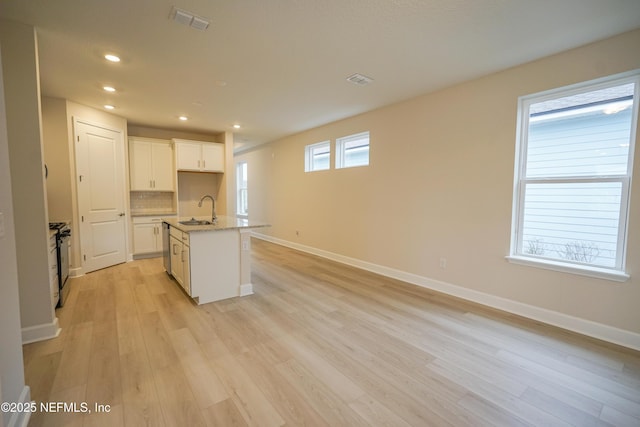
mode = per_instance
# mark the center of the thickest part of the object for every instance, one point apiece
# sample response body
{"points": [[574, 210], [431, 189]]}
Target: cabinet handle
{"points": [[198, 164], [175, 249]]}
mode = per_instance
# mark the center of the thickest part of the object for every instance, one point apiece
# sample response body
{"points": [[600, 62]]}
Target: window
{"points": [[316, 156], [573, 177], [352, 150], [241, 184]]}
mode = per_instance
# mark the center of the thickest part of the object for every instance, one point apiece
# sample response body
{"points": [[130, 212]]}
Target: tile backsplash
{"points": [[152, 202]]}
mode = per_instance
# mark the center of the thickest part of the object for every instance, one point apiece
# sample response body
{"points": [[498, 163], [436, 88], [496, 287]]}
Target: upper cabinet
{"points": [[199, 156], [151, 165]]}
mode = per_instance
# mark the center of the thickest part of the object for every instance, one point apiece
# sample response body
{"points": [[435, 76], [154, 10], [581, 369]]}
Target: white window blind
{"points": [[574, 174]]}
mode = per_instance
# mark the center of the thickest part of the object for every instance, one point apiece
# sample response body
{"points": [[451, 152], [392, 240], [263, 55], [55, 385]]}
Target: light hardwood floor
{"points": [[319, 344]]}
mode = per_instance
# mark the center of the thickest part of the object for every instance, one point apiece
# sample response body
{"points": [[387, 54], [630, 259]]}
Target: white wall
{"points": [[56, 156], [22, 103], [440, 185], [191, 187], [12, 385]]}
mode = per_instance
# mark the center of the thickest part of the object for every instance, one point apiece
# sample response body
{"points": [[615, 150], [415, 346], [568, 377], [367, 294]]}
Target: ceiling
{"points": [[277, 67]]}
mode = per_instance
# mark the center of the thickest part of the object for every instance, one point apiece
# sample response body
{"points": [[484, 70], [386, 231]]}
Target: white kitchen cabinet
{"points": [[199, 156], [175, 246], [180, 258], [188, 155], [212, 262], [213, 157], [186, 268], [151, 165], [147, 235]]}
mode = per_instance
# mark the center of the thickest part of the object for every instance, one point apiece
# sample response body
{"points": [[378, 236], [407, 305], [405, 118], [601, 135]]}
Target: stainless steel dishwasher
{"points": [[166, 252]]}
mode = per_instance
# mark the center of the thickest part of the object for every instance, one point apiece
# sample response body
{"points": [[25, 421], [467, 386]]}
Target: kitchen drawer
{"points": [[183, 237], [151, 219], [174, 232]]}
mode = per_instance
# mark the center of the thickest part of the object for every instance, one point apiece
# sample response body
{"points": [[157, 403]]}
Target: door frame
{"points": [[77, 271]]}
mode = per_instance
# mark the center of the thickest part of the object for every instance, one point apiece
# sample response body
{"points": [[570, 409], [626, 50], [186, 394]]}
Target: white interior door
{"points": [[101, 195]]}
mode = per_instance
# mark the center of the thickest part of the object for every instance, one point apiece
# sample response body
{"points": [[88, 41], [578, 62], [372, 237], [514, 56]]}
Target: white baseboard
{"points": [[246, 289], [42, 332], [582, 326], [134, 257], [21, 419], [76, 272]]}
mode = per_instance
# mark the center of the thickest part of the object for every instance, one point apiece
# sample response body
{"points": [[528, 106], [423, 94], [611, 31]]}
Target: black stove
{"points": [[63, 235], [58, 225]]}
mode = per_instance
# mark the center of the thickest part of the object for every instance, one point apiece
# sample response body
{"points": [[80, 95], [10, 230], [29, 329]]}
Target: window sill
{"points": [[599, 273]]}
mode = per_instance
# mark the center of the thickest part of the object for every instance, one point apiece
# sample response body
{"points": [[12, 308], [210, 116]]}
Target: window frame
{"points": [[340, 149], [309, 165], [517, 253], [240, 174]]}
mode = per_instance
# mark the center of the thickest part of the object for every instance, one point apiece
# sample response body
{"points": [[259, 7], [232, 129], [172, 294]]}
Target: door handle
{"points": [[121, 214]]}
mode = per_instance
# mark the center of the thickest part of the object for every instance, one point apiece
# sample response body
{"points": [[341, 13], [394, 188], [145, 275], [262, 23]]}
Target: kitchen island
{"points": [[211, 262]]}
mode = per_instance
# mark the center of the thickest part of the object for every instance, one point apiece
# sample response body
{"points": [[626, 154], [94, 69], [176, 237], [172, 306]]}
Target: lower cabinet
{"points": [[147, 235], [186, 269], [206, 264], [180, 263]]}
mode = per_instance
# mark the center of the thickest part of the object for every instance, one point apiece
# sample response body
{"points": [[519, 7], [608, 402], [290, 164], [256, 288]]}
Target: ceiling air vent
{"points": [[187, 18], [359, 79]]}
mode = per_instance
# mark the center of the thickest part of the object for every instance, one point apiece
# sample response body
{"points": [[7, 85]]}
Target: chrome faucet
{"points": [[213, 206]]}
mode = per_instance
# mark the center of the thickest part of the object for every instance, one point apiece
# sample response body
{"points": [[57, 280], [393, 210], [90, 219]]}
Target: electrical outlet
{"points": [[297, 233], [443, 263]]}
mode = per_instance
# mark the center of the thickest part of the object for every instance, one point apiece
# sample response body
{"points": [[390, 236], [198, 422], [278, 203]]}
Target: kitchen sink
{"points": [[194, 221]]}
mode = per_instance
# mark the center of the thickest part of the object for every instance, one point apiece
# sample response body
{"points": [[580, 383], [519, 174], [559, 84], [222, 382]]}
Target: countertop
{"points": [[150, 212], [223, 223]]}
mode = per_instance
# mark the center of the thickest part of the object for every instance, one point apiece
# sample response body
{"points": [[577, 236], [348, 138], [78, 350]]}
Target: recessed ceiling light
{"points": [[112, 58], [109, 88], [236, 126], [109, 107], [183, 118]]}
